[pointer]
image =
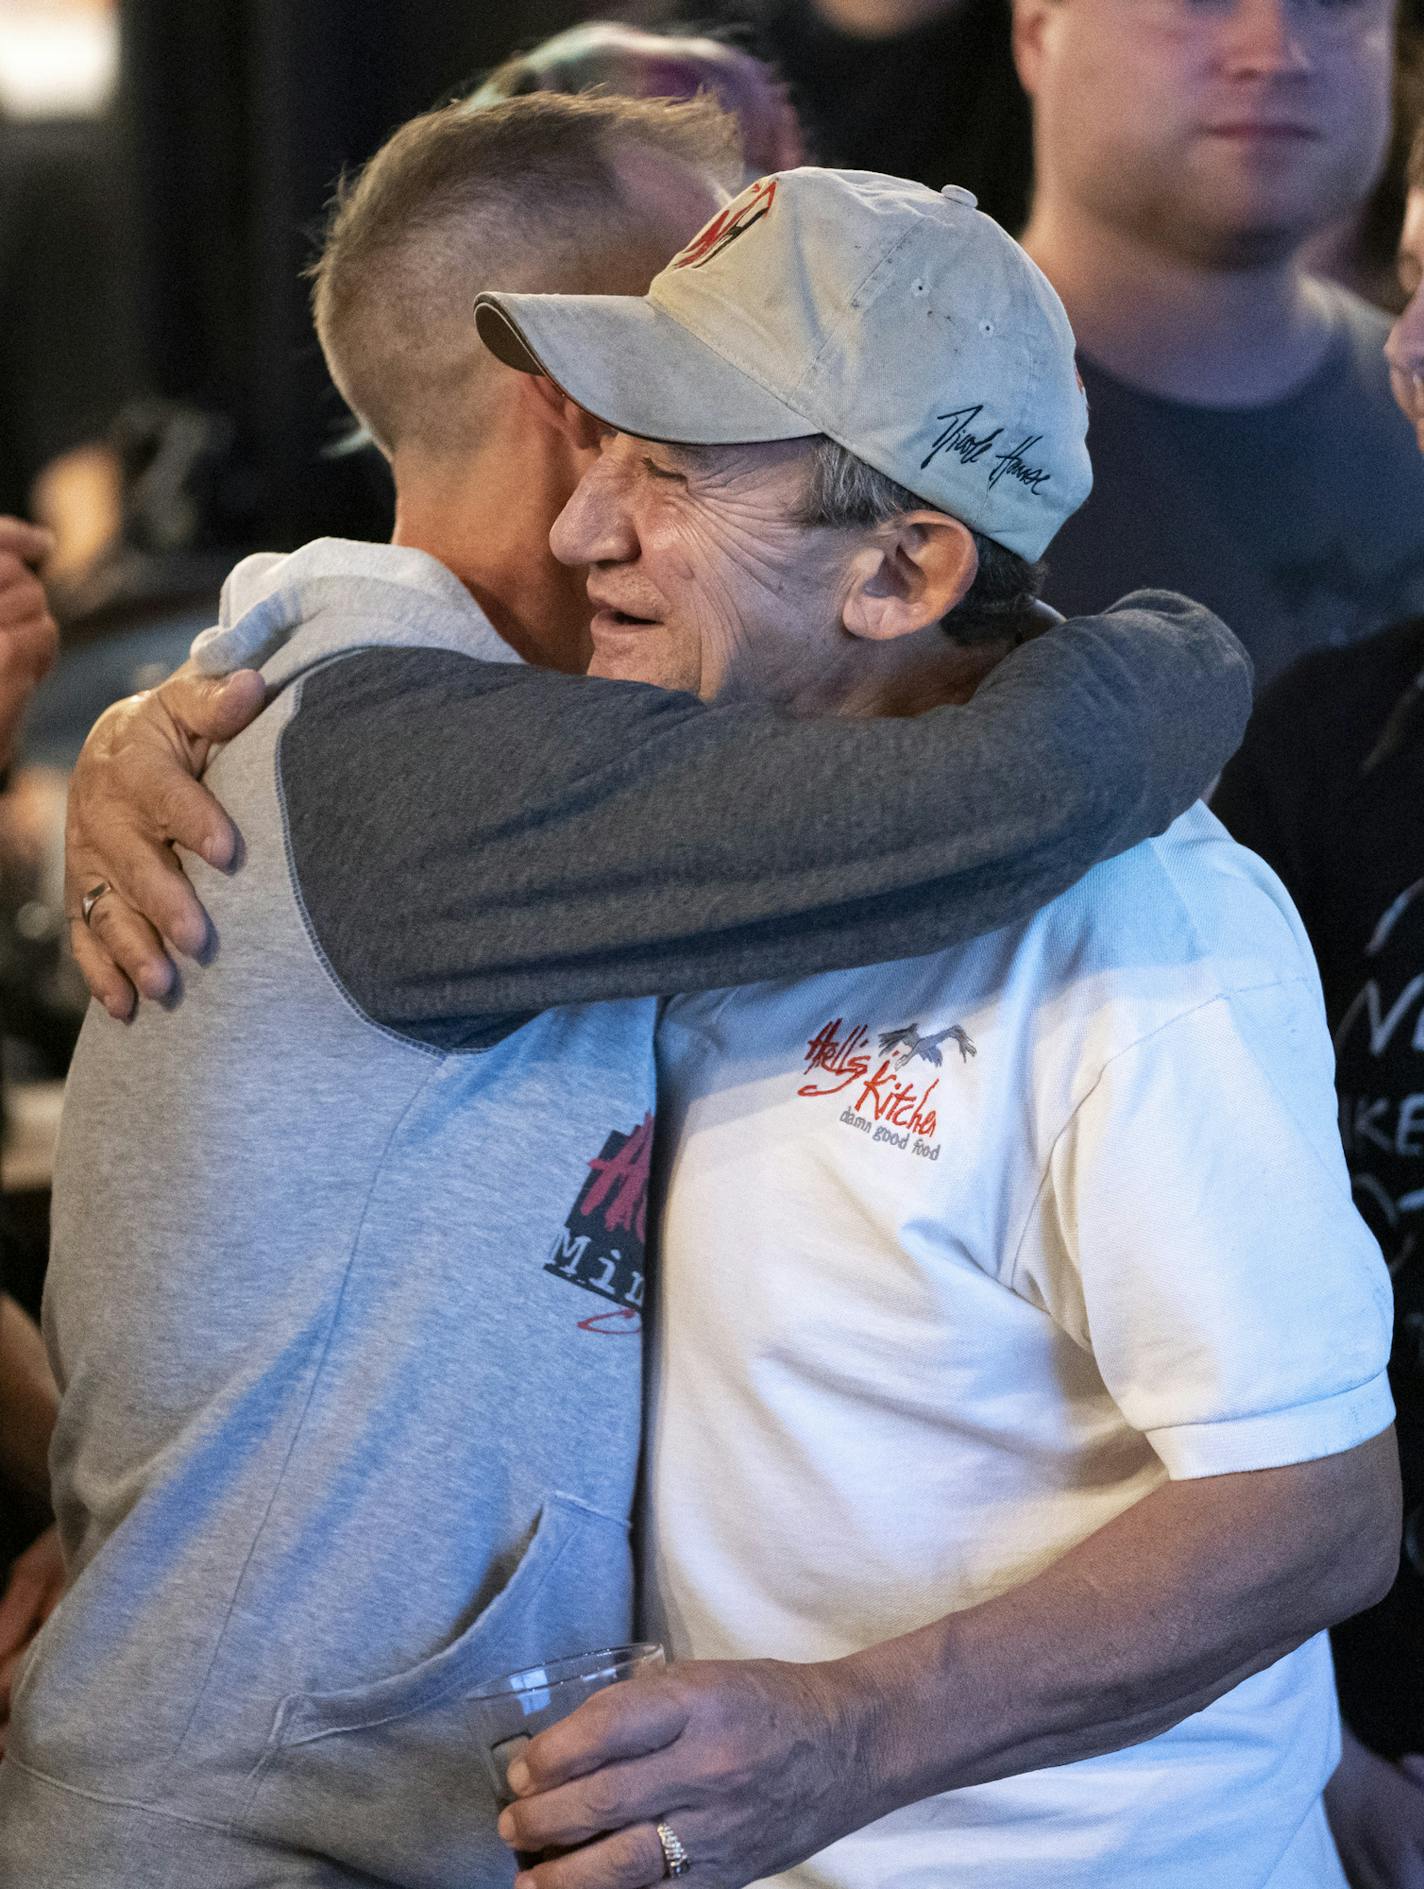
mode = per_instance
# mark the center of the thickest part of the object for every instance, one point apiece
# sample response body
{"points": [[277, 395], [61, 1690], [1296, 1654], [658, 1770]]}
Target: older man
{"points": [[1244, 443], [349, 1248], [1021, 1354], [28, 641]]}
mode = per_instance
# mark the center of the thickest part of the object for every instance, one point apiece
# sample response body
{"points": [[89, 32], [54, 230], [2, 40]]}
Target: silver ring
{"points": [[676, 1861], [92, 897]]}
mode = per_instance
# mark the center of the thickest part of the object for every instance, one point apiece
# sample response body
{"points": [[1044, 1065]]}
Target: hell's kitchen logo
{"points": [[908, 1044], [885, 1096], [725, 228], [602, 1244]]}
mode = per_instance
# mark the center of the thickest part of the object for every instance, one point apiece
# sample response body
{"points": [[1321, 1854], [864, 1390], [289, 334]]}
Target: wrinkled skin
{"points": [[699, 544], [132, 799], [754, 1763]]}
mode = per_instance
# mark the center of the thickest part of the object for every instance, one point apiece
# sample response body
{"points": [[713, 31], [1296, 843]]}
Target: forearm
{"points": [[29, 1402], [575, 842], [1146, 1622]]}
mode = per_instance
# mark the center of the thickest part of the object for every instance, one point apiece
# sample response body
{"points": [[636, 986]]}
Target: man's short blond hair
{"points": [[522, 194]]}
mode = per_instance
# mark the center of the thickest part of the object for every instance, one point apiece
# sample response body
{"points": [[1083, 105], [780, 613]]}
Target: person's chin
{"points": [[633, 651]]}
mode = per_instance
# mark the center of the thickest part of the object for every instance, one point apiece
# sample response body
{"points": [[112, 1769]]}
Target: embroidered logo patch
{"points": [[602, 1244], [884, 1097], [905, 1045], [724, 230]]}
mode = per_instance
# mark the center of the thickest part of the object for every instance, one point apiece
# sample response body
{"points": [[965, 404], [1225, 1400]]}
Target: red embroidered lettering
{"points": [[619, 1183]]}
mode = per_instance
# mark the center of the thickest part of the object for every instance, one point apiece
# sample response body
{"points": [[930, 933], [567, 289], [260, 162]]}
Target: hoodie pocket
{"points": [[386, 1778]]}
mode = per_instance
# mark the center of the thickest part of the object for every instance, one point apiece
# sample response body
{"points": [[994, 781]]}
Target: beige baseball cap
{"points": [[898, 320]]}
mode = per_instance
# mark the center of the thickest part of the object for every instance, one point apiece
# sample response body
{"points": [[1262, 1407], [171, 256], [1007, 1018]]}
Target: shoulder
{"points": [[408, 707], [1171, 926]]}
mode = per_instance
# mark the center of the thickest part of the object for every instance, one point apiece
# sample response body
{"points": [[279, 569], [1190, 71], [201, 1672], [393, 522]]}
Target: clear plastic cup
{"points": [[508, 1712]]}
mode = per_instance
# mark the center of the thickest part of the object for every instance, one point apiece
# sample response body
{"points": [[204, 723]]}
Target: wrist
{"points": [[903, 1716]]}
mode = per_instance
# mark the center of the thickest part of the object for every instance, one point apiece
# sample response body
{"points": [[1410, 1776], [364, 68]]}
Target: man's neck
{"points": [[1177, 327], [906, 677], [494, 536]]}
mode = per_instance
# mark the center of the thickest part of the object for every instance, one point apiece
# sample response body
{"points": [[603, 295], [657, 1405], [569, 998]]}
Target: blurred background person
{"points": [[1359, 249], [623, 59], [1327, 789], [1245, 446], [28, 1396], [64, 373], [919, 88]]}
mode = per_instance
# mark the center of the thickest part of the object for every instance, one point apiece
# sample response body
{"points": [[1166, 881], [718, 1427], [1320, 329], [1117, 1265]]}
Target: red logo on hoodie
{"points": [[601, 1245]]}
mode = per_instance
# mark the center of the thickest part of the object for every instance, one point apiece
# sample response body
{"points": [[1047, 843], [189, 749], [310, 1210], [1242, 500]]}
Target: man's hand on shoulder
{"points": [[29, 639], [135, 796]]}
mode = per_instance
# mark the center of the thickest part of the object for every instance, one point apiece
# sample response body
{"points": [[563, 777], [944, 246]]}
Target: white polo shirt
{"points": [[964, 1255]]}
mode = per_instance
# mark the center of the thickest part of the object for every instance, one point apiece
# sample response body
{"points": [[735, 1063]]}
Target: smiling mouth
{"points": [[1248, 128], [606, 617]]}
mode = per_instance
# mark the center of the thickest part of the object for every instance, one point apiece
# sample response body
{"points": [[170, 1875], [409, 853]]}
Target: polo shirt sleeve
{"points": [[1198, 1236]]}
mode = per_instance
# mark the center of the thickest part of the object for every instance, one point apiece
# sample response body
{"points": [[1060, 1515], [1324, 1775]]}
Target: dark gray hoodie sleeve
{"points": [[476, 842]]}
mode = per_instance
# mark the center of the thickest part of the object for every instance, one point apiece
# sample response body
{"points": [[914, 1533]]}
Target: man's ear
{"points": [[916, 571], [551, 406], [1030, 21]]}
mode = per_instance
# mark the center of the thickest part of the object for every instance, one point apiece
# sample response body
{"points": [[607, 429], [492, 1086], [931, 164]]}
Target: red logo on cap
{"points": [[733, 222]]}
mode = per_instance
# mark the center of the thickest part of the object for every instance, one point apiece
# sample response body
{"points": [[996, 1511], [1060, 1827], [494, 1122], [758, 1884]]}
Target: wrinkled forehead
{"points": [[782, 465]]}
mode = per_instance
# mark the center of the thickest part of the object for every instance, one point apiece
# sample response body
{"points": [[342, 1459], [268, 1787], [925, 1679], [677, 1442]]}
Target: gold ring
{"points": [[92, 897], [676, 1861]]}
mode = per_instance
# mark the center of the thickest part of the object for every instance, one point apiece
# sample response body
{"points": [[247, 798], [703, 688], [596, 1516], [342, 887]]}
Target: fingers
{"points": [[213, 708], [165, 807], [630, 1859], [132, 797], [32, 544], [22, 1607], [107, 984], [9, 1672], [614, 1798], [128, 955], [624, 1721], [29, 641]]}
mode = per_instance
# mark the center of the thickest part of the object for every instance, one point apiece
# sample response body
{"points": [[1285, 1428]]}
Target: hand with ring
{"points": [[134, 799], [712, 1773]]}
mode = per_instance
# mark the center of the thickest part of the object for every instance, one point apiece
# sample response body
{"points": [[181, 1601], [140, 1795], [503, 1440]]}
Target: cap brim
{"points": [[633, 367]]}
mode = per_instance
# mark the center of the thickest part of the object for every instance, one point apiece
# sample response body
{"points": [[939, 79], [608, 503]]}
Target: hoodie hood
{"points": [[284, 612]]}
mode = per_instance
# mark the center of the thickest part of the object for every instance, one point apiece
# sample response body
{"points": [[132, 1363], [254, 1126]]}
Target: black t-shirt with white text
{"points": [[1347, 838]]}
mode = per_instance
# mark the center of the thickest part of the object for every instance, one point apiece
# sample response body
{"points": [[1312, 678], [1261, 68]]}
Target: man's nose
{"points": [[1266, 39], [596, 525]]}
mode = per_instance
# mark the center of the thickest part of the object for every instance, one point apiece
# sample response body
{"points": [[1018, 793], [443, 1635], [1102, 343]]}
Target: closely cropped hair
{"points": [[845, 492], [520, 194]]}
